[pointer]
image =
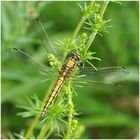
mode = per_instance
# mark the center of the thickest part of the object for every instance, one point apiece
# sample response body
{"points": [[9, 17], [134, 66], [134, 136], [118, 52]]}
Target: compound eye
{"points": [[77, 58], [73, 57]]}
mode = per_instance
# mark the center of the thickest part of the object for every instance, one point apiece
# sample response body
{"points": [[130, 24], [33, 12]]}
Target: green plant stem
{"points": [[54, 110], [35, 120], [31, 128], [78, 27], [80, 24], [92, 36], [70, 115], [103, 8]]}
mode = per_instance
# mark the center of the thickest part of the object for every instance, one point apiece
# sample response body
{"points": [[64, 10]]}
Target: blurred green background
{"points": [[106, 111]]}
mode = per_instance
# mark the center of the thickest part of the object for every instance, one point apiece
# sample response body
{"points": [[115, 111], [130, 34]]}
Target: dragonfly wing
{"points": [[108, 75], [42, 34], [26, 66]]}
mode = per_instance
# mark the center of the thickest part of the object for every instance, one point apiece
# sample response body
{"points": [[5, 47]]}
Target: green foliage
{"points": [[97, 24], [98, 111], [90, 10], [32, 108]]}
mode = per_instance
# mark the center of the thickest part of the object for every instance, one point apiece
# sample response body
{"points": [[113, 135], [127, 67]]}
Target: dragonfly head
{"points": [[75, 55]]}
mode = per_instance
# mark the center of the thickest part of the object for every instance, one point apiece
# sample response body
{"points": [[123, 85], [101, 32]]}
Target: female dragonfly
{"points": [[103, 75]]}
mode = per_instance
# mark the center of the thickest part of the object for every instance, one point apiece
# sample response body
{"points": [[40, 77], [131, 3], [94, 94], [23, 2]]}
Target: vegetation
{"points": [[98, 110]]}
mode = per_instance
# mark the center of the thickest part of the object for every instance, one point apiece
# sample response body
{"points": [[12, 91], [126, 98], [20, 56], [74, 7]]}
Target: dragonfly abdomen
{"points": [[52, 96]]}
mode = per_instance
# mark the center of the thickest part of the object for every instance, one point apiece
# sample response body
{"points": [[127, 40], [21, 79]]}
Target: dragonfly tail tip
{"points": [[41, 118]]}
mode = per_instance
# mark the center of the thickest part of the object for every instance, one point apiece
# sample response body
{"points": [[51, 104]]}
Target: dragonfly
{"points": [[106, 75]]}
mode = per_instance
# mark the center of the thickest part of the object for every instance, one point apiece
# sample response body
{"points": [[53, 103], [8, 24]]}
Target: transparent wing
{"points": [[24, 67], [106, 75], [42, 34]]}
